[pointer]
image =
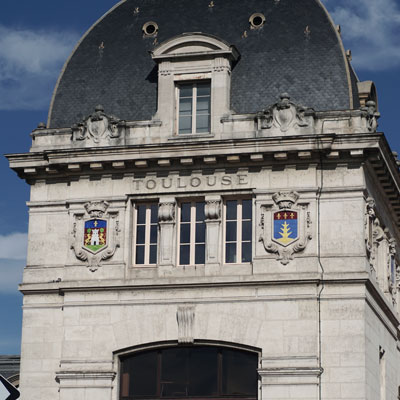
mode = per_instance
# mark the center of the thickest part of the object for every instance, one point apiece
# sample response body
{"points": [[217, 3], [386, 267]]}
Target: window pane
{"points": [[200, 211], [200, 233], [140, 234], [153, 234], [203, 373], [200, 254], [185, 124], [203, 89], [154, 213], [140, 375], [231, 209], [230, 234], [246, 252], [202, 123], [185, 233], [230, 252], [174, 373], [203, 105], [139, 254], [184, 255], [185, 212], [246, 230], [186, 90], [239, 373], [153, 254], [141, 214], [185, 107], [246, 209]]}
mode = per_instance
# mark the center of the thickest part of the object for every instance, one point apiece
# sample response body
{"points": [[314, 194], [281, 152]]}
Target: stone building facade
{"points": [[224, 225]]}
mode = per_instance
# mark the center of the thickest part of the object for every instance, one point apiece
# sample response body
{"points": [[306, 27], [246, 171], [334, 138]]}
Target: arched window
{"points": [[189, 372]]}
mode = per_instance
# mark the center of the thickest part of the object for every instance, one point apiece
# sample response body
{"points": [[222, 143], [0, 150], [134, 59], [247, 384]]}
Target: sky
{"points": [[36, 38]]}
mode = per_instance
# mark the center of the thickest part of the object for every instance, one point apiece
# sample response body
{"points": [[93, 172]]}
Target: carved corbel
{"points": [[212, 209], [185, 319], [166, 212]]}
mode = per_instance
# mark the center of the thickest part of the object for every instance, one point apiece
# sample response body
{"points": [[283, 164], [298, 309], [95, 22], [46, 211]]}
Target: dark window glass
{"points": [[184, 255], [185, 233], [231, 210], [140, 238], [139, 254], [231, 231], [239, 373], [246, 209], [141, 215], [230, 250], [246, 231], [200, 233], [153, 234], [188, 372], [153, 254], [154, 214], [185, 212], [200, 211], [246, 252], [200, 254]]}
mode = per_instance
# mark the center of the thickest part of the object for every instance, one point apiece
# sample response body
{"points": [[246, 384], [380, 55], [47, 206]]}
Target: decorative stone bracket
{"points": [[95, 237], [185, 320], [285, 227], [99, 128], [284, 116]]}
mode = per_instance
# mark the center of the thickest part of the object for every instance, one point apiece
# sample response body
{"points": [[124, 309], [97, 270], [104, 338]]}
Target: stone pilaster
{"points": [[213, 229], [166, 218]]}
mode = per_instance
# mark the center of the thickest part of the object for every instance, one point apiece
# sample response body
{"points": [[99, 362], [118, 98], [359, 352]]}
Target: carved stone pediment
{"points": [[285, 116], [99, 128], [286, 226], [95, 234]]}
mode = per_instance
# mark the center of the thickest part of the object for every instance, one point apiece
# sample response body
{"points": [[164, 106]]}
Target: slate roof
{"points": [[112, 65], [9, 366]]}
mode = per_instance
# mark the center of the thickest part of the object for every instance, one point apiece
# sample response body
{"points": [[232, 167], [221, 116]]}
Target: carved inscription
{"points": [[190, 182]]}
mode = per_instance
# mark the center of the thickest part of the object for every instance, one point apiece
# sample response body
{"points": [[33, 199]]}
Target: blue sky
{"points": [[36, 38]]}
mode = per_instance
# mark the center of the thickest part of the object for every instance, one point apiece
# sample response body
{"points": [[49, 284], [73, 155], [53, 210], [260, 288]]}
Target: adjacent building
{"points": [[213, 213]]}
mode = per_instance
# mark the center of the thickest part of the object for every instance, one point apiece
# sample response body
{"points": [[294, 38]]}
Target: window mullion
{"points": [[192, 233], [194, 108], [239, 231], [147, 236]]}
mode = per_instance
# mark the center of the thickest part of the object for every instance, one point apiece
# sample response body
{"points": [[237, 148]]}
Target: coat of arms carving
{"points": [[285, 226], [95, 236], [99, 127]]}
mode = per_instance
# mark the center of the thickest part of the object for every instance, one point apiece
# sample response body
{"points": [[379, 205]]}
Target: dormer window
{"points": [[193, 107], [194, 82]]}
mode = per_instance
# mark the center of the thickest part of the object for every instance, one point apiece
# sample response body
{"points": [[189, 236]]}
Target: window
{"points": [[145, 248], [193, 108], [192, 233], [238, 231], [189, 372]]}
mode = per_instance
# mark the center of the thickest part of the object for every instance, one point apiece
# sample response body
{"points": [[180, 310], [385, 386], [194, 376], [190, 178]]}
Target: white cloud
{"points": [[10, 275], [371, 29], [13, 246], [30, 62]]}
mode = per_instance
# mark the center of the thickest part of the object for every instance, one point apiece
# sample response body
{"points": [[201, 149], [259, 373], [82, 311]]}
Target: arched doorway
{"points": [[201, 372]]}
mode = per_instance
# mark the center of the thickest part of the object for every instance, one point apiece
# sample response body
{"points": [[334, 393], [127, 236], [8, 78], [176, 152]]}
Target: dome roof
{"points": [[297, 50]]}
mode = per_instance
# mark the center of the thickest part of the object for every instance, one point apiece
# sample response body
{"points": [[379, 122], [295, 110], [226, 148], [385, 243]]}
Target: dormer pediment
{"points": [[194, 45]]}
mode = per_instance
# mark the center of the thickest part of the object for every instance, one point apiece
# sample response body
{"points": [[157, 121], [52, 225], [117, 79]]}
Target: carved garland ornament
{"points": [[95, 237], [286, 227], [98, 126], [284, 115]]}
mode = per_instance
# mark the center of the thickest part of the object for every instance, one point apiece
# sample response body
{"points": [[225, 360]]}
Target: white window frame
{"points": [[147, 231], [239, 220], [193, 222], [194, 84]]}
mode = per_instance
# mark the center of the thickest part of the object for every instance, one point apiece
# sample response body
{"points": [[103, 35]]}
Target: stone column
{"points": [[213, 231], [166, 218]]}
